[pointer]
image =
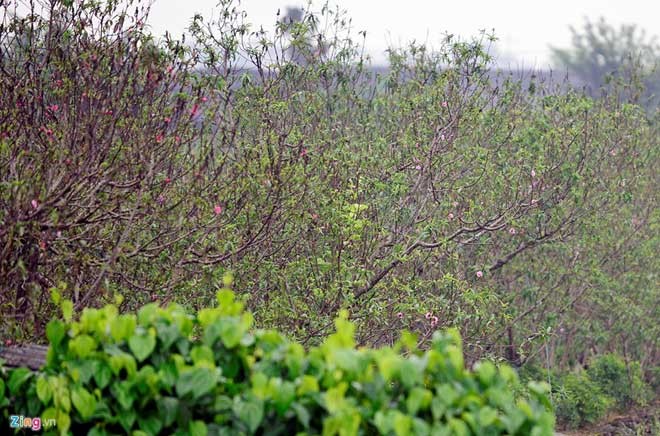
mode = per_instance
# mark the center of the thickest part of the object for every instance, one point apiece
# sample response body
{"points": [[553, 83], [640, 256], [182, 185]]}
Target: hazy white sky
{"points": [[525, 28]]}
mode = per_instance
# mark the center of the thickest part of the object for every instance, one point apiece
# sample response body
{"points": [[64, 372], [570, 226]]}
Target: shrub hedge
{"points": [[164, 371]]}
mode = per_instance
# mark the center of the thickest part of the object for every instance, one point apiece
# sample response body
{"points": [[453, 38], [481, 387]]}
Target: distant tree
{"points": [[302, 30], [600, 51]]}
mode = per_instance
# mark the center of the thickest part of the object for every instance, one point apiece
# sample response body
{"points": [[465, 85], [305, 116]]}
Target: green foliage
{"points": [[624, 383], [579, 400], [164, 371], [600, 52], [435, 193]]}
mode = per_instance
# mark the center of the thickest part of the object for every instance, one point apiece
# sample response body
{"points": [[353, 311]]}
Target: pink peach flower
{"points": [[480, 274], [512, 231], [35, 204], [450, 216], [217, 209], [428, 315], [399, 315]]}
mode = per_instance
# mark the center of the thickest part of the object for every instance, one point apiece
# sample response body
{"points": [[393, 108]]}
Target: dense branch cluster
{"points": [[517, 209]]}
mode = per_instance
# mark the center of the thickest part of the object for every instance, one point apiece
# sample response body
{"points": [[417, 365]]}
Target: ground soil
{"points": [[638, 421]]}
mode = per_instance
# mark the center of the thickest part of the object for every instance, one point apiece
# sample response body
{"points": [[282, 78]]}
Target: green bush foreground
{"points": [[164, 371]]}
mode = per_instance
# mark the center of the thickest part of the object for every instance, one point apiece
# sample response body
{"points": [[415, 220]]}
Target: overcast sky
{"points": [[525, 28]]}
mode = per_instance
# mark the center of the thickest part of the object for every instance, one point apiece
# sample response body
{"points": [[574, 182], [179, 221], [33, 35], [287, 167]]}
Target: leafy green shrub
{"points": [[624, 383], [165, 371], [578, 400]]}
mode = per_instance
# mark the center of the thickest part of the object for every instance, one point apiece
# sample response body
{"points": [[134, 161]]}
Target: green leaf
{"points": [[67, 310], [168, 334], [151, 425], [17, 379], [250, 412], [102, 375], [302, 414], [127, 419], [230, 332], [142, 345], [202, 353], [308, 384], [44, 391], [168, 407], [198, 428], [55, 331], [284, 396], [122, 392], [122, 327], [419, 398], [84, 402], [402, 424], [487, 416], [486, 371], [82, 345], [196, 381]]}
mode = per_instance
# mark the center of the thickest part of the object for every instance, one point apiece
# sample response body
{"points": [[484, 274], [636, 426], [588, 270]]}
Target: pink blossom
{"points": [[159, 138], [512, 231], [428, 315], [303, 152], [399, 315], [418, 167], [161, 199], [613, 152], [442, 137], [456, 204], [480, 274], [450, 216], [194, 110], [168, 180], [217, 209], [168, 119], [434, 321], [54, 107], [108, 112], [444, 104], [533, 173], [35, 204], [59, 233], [204, 99]]}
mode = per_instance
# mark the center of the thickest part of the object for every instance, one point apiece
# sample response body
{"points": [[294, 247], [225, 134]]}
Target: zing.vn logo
{"points": [[35, 424]]}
